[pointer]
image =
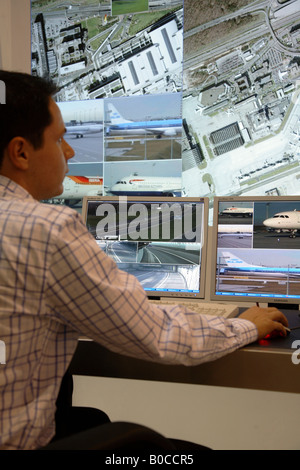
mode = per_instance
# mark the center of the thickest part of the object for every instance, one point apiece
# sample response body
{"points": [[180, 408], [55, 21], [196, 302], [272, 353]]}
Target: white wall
{"points": [[15, 35], [221, 418], [218, 417]]}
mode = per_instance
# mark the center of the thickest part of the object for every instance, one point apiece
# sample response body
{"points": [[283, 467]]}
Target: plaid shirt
{"points": [[57, 285]]}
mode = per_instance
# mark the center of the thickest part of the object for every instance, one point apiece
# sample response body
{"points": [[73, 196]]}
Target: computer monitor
{"points": [[162, 241], [256, 250]]}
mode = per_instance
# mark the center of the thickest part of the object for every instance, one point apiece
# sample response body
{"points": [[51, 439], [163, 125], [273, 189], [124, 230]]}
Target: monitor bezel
{"points": [[256, 299], [203, 200]]}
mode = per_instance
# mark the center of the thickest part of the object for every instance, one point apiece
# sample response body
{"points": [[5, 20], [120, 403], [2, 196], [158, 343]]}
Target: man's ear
{"points": [[18, 151]]}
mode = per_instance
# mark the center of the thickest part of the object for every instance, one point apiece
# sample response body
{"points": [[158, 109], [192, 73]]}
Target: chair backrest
{"points": [[116, 436]]}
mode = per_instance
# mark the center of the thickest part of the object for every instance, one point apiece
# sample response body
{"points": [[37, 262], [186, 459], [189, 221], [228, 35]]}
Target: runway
{"points": [[135, 252], [264, 239], [156, 267], [88, 149], [249, 283]]}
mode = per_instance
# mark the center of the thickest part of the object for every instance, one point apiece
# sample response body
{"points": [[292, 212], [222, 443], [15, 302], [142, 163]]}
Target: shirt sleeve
{"points": [[88, 292]]}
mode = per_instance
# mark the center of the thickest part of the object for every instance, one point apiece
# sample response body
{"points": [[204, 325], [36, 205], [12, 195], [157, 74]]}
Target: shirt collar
{"points": [[9, 187]]}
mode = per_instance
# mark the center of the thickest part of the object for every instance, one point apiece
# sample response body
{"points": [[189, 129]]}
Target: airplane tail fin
{"points": [[233, 261], [114, 115]]}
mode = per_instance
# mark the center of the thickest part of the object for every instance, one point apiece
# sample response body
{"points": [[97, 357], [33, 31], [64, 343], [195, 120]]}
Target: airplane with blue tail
{"points": [[120, 126], [229, 263]]}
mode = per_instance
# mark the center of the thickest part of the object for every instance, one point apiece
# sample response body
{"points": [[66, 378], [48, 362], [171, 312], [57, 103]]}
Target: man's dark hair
{"points": [[26, 109]]}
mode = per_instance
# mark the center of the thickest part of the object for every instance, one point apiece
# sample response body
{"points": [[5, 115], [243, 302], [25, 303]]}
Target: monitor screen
{"points": [[161, 241], [256, 251]]}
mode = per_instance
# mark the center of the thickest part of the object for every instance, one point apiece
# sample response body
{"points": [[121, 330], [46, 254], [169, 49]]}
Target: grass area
{"points": [[141, 21], [97, 42], [156, 149], [203, 11], [58, 4], [95, 26], [208, 148], [121, 7], [225, 30]]}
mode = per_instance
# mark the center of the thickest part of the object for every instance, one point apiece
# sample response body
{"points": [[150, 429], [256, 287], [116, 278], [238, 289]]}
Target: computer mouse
{"points": [[278, 334]]}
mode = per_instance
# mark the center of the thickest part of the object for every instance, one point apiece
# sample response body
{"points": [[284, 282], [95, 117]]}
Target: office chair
{"points": [[84, 428], [117, 436]]}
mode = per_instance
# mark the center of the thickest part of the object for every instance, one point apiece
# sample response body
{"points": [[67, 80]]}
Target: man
{"points": [[56, 284]]}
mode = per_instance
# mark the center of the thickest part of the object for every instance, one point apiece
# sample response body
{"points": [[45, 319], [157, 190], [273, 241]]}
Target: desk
{"points": [[265, 366]]}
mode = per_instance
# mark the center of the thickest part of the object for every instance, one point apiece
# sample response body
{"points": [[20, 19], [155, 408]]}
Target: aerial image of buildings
{"points": [[235, 65], [241, 105]]}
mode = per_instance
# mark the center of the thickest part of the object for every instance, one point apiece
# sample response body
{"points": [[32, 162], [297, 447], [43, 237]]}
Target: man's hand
{"points": [[267, 320]]}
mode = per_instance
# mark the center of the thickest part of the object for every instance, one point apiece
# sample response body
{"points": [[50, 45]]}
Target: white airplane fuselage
{"points": [[76, 187], [238, 211], [83, 129], [147, 186], [169, 128], [288, 221]]}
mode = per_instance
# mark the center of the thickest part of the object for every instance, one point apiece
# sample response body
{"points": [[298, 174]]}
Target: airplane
{"points": [[76, 187], [231, 263], [134, 185], [238, 211], [286, 222], [121, 126], [80, 130]]}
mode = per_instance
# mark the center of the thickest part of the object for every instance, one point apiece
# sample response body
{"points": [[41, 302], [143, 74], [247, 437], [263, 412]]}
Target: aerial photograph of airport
{"points": [[241, 104], [97, 49], [125, 59], [233, 67], [257, 248]]}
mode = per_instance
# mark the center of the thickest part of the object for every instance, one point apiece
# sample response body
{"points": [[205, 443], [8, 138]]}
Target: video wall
{"points": [[193, 98]]}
